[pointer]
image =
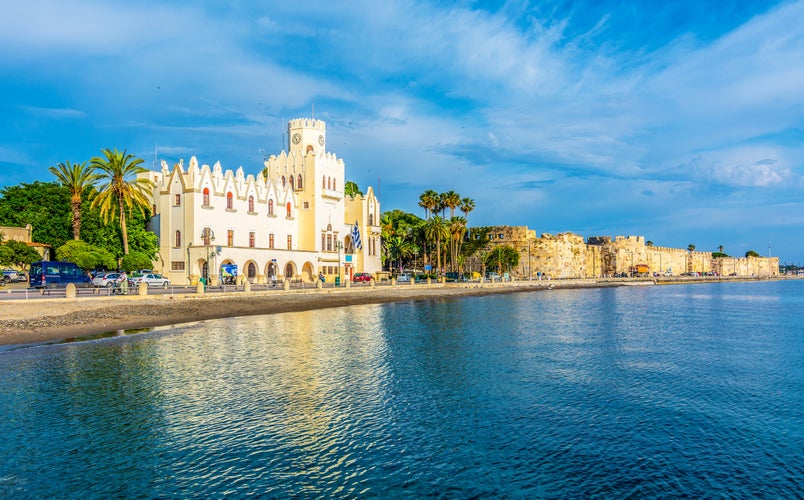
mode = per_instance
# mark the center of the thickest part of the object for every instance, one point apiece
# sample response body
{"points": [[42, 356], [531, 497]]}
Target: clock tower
{"points": [[307, 135]]}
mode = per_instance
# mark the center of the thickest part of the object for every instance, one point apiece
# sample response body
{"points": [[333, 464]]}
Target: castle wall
{"points": [[566, 255]]}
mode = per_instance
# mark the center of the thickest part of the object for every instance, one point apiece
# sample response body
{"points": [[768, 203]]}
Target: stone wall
{"points": [[567, 255]]}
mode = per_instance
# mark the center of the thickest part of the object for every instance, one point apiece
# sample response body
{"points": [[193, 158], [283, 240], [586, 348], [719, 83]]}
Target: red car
{"points": [[362, 277]]}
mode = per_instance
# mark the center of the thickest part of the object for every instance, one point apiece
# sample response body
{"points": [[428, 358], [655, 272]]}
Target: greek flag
{"points": [[356, 237]]}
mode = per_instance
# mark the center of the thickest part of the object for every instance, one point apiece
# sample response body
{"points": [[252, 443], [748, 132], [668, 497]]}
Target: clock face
{"points": [[321, 139], [296, 138]]}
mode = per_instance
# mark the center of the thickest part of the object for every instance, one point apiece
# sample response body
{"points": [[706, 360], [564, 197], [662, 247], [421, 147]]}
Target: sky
{"points": [[679, 121]]}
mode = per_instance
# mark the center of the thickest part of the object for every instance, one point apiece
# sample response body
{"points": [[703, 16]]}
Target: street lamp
{"points": [[207, 235], [339, 246]]}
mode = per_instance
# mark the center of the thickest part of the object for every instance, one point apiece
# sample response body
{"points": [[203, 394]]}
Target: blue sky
{"points": [[679, 121]]}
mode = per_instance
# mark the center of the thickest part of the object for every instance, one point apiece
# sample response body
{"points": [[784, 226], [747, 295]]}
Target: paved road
{"points": [[20, 291]]}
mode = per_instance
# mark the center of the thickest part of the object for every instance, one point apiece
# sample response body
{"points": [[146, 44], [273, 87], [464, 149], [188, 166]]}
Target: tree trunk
{"points": [[123, 227], [76, 219]]}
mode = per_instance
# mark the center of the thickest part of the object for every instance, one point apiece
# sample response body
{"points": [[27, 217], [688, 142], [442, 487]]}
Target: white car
{"points": [[108, 279], [403, 278], [151, 279]]}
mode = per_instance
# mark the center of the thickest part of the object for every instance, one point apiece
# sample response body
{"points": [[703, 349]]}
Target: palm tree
{"points": [[720, 248], [451, 200], [77, 178], [457, 228], [428, 200], [436, 229], [649, 243], [116, 168]]}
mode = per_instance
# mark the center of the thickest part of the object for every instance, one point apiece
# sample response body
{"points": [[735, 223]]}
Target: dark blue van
{"points": [[55, 274]]}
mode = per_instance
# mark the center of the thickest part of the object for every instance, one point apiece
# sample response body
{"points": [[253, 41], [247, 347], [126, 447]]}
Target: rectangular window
{"points": [[271, 241], [306, 205], [251, 239], [501, 236], [177, 265], [323, 242], [290, 242], [178, 200], [230, 237]]}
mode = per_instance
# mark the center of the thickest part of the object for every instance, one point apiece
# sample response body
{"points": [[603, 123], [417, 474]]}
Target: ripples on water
{"points": [[683, 391]]}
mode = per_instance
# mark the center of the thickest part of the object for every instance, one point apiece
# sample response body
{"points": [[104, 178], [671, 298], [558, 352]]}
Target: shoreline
{"points": [[36, 322]]}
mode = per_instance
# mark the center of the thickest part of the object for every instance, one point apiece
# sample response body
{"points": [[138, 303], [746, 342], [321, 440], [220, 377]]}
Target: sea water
{"points": [[632, 392]]}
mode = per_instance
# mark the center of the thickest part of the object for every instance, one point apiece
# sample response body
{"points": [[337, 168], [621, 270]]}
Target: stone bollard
{"points": [[247, 286], [319, 284], [429, 280], [347, 283], [142, 290], [393, 282], [71, 291], [199, 288], [412, 280], [286, 285], [371, 283]]}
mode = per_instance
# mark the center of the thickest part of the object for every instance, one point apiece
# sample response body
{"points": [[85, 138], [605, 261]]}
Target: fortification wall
{"points": [[566, 255]]}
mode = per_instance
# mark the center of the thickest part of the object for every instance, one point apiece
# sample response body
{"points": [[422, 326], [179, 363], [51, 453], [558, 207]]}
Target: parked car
{"points": [[362, 277], [455, 277], [56, 274], [151, 279], [491, 276], [403, 278], [106, 279], [11, 275]]}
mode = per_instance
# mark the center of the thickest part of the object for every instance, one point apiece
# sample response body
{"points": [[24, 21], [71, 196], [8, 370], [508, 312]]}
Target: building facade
{"points": [[290, 221]]}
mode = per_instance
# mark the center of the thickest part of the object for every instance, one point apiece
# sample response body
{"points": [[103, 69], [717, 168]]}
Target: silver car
{"points": [[151, 279], [106, 280]]}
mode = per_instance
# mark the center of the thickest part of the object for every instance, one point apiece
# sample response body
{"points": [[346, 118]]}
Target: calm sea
{"points": [[635, 392]]}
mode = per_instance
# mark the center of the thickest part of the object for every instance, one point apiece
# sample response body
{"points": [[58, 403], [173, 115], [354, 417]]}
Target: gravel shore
{"points": [[38, 321]]}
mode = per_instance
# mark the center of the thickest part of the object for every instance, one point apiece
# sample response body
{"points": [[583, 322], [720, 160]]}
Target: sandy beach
{"points": [[38, 321]]}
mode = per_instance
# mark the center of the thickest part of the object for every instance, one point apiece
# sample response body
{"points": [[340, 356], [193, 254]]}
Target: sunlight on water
{"points": [[648, 392]]}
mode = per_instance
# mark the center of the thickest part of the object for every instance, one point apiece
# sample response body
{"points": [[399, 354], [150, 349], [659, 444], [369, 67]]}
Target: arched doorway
{"points": [[251, 271], [290, 270], [307, 272]]}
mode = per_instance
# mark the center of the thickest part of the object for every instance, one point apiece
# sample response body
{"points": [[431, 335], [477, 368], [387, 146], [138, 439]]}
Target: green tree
{"points": [[451, 200], [502, 258], [428, 200], [77, 178], [751, 253], [691, 247], [122, 190], [135, 260], [43, 205], [17, 253], [86, 256], [351, 189], [649, 243]]}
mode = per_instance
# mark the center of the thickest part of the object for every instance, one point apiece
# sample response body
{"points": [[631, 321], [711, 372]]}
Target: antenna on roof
{"points": [[313, 111], [156, 153]]}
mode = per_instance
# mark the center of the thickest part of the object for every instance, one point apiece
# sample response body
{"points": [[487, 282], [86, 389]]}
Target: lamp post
{"points": [[339, 246], [207, 235]]}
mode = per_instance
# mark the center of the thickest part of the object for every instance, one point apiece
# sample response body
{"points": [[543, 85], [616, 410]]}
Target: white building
{"points": [[290, 221]]}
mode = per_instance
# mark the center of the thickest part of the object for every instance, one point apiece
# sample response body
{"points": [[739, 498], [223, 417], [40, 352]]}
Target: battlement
{"points": [[307, 123]]}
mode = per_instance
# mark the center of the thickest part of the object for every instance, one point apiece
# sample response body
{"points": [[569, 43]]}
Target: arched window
{"points": [[229, 201], [205, 201], [323, 182], [250, 203], [333, 184], [178, 239], [270, 207], [329, 183], [291, 182], [299, 183], [283, 181], [371, 220], [288, 208]]}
